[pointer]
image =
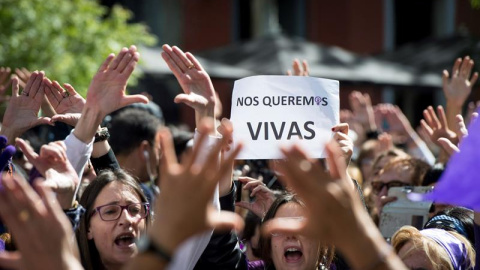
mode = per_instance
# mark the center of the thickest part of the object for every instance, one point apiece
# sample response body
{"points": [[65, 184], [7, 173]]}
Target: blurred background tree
{"points": [[67, 39], [475, 3]]}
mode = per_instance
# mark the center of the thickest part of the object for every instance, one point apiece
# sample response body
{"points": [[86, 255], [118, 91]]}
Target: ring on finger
{"points": [[23, 215], [191, 66], [305, 165]]}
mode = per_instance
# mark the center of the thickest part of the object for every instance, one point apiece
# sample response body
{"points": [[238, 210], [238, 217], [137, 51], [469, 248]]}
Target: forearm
{"points": [[413, 140], [420, 150], [370, 125], [209, 113], [452, 109], [88, 124], [100, 149]]}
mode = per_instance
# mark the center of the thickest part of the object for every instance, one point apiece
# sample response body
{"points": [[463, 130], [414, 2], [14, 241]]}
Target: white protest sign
{"points": [[273, 111]]}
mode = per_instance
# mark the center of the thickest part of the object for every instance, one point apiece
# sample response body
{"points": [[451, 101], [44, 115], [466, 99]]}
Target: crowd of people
{"points": [[103, 183]]}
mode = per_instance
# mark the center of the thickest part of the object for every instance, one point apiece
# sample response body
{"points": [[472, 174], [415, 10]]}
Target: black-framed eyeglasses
{"points": [[377, 186], [111, 212]]}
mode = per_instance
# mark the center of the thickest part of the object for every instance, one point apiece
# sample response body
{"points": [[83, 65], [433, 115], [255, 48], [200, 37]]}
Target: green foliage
{"points": [[475, 3], [67, 39]]}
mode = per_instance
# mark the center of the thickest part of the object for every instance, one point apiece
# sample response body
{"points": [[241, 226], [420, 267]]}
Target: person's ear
{"points": [[146, 155], [144, 151], [89, 235]]}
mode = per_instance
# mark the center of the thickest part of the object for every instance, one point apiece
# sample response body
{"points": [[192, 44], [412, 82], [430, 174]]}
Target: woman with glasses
{"points": [[117, 214]]}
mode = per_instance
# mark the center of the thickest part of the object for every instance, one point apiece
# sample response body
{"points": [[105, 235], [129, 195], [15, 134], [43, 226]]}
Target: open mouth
{"points": [[125, 240], [293, 255]]}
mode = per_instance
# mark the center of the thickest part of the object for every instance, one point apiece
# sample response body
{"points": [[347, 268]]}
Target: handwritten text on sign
{"points": [[271, 111]]}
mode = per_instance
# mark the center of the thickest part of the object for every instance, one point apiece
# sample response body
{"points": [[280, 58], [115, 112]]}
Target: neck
{"points": [[134, 167]]}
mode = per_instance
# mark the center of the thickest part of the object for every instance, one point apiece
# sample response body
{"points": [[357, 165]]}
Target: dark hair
{"points": [[265, 245], [130, 127], [252, 221], [456, 219], [181, 137], [88, 251]]}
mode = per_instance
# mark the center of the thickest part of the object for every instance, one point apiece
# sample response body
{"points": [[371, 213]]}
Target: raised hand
{"points": [[53, 164], [68, 105], [449, 147], [398, 124], [362, 110], [106, 92], [198, 90], [457, 88], [42, 232], [176, 218], [264, 197], [344, 141], [107, 89], [22, 110], [437, 127], [298, 70], [63, 101]]}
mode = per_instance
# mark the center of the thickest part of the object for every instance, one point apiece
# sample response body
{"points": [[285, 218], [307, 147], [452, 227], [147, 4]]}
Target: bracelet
{"points": [[102, 135]]}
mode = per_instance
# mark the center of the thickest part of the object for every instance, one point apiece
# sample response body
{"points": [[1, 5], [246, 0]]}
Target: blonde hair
{"points": [[436, 254]]}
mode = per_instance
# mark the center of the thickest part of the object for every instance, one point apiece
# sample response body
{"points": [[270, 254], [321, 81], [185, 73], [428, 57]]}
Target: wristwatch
{"points": [[146, 245]]}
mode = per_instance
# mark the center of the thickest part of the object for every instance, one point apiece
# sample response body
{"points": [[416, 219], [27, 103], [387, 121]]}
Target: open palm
{"points": [[22, 110], [198, 91], [107, 89], [62, 101]]}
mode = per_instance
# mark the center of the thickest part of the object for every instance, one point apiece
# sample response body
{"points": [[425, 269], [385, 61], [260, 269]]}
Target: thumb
{"points": [[448, 146], [27, 150], [184, 98], [43, 121], [69, 119], [127, 100], [226, 221], [245, 205]]}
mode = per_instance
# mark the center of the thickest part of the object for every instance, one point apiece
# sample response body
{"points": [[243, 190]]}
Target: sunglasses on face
{"points": [[377, 186]]}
